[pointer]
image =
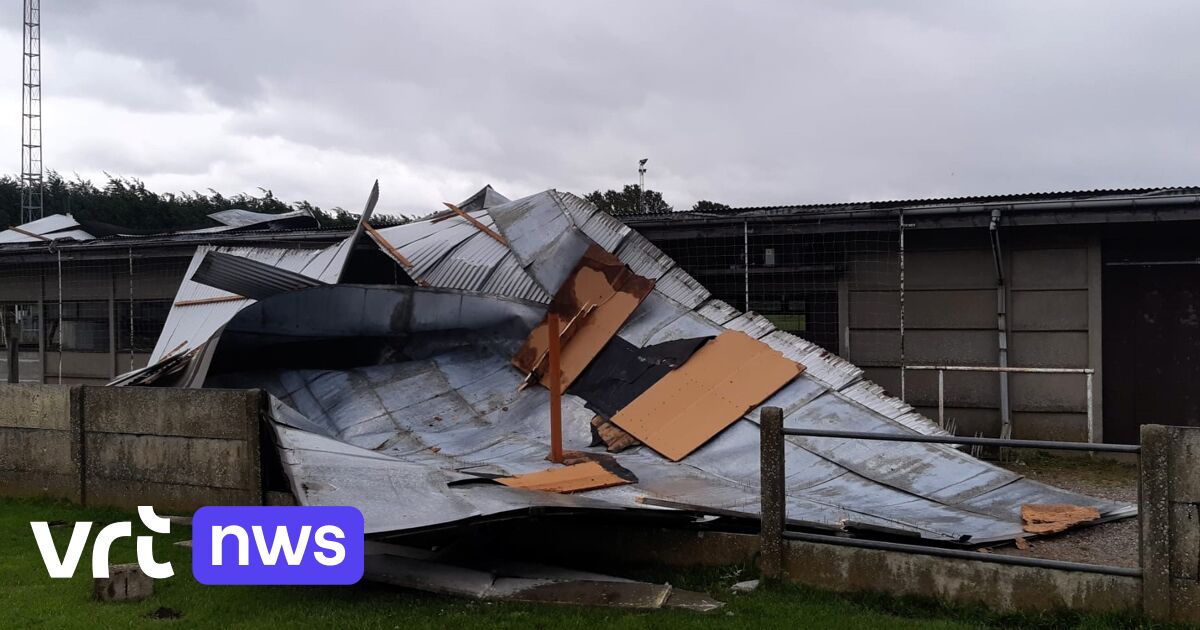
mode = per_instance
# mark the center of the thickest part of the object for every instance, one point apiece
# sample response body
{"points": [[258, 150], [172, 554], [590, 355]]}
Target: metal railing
{"points": [[773, 504], [942, 369]]}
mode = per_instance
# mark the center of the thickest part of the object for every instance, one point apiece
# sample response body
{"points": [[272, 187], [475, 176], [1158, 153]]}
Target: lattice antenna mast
{"points": [[31, 113]]}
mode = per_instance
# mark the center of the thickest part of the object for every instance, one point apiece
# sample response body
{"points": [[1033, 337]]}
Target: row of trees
{"points": [[126, 202], [629, 200]]}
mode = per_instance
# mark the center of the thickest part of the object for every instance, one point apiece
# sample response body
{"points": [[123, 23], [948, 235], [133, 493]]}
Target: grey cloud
{"points": [[747, 103]]}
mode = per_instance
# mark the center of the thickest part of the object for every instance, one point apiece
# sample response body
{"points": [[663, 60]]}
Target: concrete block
{"points": [[1185, 465], [210, 413], [1185, 541], [125, 583], [32, 406], [168, 459]]}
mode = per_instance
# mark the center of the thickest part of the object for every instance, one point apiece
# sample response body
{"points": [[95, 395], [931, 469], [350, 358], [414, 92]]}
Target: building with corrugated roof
{"points": [[1101, 280]]}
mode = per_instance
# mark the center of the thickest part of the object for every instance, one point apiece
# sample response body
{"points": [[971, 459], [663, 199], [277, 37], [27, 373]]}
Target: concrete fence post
{"points": [[1169, 495], [14, 359], [771, 551]]}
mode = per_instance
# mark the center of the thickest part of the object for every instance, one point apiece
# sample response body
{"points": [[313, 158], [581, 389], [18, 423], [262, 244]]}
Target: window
{"points": [[21, 319], [83, 326], [149, 316]]}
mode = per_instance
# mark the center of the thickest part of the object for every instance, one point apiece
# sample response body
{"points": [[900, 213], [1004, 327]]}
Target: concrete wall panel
{"points": [[1048, 392], [167, 459], [960, 309], [207, 413], [1048, 349], [1049, 310], [963, 269], [1066, 427], [1049, 268]]}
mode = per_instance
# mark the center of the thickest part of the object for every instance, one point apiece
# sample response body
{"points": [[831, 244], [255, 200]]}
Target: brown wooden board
{"points": [[594, 302], [721, 382], [574, 478]]}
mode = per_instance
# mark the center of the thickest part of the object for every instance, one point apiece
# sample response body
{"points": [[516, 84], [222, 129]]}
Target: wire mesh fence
{"points": [[76, 318], [817, 284]]}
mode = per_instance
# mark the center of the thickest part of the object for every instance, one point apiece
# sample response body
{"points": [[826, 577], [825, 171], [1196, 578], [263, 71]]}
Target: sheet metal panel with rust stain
{"points": [[565, 479], [594, 302], [722, 381]]}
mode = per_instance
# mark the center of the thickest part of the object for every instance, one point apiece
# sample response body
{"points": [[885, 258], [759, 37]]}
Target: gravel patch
{"points": [[1114, 543]]}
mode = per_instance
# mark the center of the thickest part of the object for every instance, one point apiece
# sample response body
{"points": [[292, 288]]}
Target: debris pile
{"points": [[424, 402]]}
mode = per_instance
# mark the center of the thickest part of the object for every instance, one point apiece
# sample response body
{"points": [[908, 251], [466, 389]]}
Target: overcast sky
{"points": [[747, 103]]}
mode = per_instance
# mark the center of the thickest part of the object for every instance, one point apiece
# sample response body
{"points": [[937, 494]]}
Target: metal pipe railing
{"points": [[942, 369], [971, 441], [773, 500]]}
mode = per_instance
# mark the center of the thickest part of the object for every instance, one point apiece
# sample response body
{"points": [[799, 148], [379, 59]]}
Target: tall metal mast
{"points": [[31, 114]]}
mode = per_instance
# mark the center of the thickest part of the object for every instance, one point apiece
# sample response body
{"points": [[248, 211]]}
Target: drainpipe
{"points": [[1001, 324]]}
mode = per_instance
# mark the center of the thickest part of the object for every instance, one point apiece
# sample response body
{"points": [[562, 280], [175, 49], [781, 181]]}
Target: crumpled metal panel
{"points": [[542, 236], [406, 441], [53, 227], [249, 278], [829, 368], [606, 231], [452, 253], [399, 439], [188, 326], [678, 285], [239, 218], [717, 311], [643, 257], [752, 324]]}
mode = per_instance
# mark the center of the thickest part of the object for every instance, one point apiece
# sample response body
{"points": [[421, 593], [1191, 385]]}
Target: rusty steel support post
{"points": [[556, 454], [771, 552]]}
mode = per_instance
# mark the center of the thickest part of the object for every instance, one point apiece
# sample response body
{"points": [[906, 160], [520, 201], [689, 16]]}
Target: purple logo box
{"points": [[277, 545]]}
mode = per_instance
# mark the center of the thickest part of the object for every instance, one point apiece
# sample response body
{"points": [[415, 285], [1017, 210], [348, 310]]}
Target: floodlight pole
{"points": [[555, 382], [642, 185]]}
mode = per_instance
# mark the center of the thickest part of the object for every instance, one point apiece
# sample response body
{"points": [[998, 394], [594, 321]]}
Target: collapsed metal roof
{"points": [[408, 402]]}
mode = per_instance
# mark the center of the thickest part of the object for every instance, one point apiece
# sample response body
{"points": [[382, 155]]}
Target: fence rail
{"points": [[773, 500], [942, 369]]}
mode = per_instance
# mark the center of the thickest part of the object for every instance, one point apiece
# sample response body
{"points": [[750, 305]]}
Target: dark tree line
{"points": [[625, 202], [126, 202]]}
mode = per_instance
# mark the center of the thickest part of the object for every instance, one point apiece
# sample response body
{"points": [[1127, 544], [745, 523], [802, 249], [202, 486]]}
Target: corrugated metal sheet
{"points": [[53, 227], [248, 278], [237, 217], [188, 326], [406, 441]]}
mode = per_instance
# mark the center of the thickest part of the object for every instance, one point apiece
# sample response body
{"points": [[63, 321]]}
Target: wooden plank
{"points": [[29, 234], [479, 226], [721, 382], [574, 478], [211, 300], [383, 242], [595, 301]]}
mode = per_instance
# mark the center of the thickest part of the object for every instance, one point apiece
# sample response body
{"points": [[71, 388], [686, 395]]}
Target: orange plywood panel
{"points": [[720, 382], [593, 303], [574, 478], [1051, 518]]}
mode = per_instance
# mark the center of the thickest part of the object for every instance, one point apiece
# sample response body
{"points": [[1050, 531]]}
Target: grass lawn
{"points": [[29, 598]]}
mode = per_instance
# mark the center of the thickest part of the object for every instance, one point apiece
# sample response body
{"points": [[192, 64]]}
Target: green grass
{"points": [[29, 598]]}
